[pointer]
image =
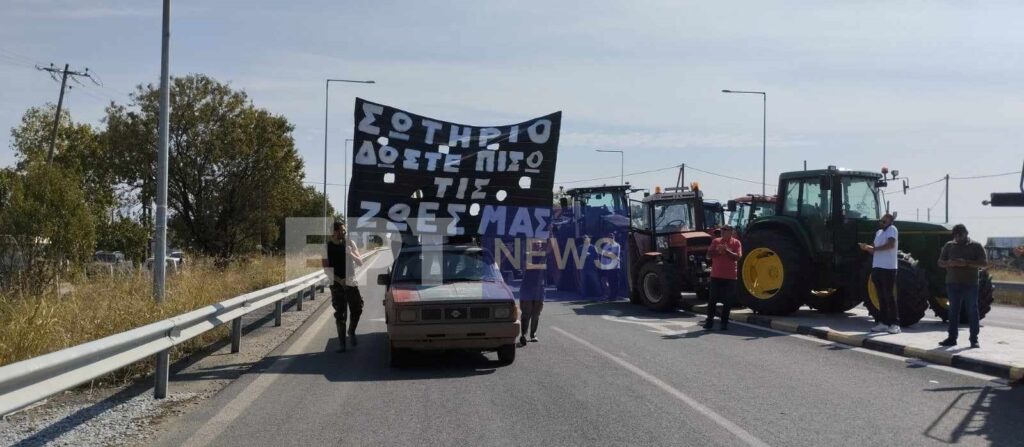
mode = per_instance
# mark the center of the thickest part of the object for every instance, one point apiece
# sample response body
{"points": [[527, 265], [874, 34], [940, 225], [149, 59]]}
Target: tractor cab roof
{"points": [[671, 194], [831, 170], [758, 198], [599, 189]]}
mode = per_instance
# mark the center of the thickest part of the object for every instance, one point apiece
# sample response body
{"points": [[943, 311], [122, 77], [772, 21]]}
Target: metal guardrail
{"points": [[1009, 286], [29, 381]]}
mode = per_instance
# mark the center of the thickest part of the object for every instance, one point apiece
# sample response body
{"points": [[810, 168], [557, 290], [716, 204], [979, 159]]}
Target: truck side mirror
{"points": [[383, 279], [825, 182], [731, 206]]}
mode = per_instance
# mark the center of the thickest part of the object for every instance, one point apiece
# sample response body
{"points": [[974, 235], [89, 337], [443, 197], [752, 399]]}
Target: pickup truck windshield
{"points": [[445, 266]]}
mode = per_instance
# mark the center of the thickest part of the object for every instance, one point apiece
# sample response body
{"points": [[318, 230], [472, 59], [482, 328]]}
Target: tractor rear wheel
{"points": [[911, 293], [845, 298], [940, 305], [658, 286], [773, 274]]}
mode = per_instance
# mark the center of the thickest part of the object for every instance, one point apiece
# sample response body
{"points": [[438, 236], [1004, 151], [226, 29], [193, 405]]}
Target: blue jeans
{"points": [[963, 296]]}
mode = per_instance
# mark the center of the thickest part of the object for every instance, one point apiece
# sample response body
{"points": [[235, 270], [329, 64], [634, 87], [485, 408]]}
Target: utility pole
{"points": [[160, 237], [947, 198], [60, 99]]}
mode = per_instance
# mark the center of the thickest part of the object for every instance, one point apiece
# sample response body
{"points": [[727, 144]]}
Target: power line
{"points": [[986, 176], [629, 174], [941, 179]]}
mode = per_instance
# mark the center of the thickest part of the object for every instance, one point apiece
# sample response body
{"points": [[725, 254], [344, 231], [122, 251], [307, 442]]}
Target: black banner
{"points": [[416, 174]]}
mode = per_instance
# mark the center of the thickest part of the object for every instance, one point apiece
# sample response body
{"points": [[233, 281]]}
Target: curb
{"points": [[1005, 371]]}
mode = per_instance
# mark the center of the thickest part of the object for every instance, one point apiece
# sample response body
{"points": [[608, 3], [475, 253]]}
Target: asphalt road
{"points": [[602, 374]]}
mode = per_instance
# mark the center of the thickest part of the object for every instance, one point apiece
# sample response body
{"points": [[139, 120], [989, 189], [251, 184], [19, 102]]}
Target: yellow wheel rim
{"points": [[763, 273], [873, 293]]}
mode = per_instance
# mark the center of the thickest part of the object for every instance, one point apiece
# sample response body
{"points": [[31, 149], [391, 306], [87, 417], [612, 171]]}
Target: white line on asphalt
{"points": [[899, 358], [245, 398], [700, 408]]}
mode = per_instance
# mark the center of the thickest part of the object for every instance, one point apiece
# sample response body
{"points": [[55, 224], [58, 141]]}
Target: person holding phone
{"points": [[962, 257], [884, 264]]}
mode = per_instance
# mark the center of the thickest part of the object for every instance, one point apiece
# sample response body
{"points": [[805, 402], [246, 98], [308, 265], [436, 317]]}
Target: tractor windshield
{"points": [[673, 216], [860, 198]]}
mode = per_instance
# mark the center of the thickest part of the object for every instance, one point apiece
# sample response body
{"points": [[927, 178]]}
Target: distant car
{"points": [[451, 297], [110, 262]]}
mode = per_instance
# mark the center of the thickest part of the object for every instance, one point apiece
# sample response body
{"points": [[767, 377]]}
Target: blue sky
{"points": [[928, 88]]}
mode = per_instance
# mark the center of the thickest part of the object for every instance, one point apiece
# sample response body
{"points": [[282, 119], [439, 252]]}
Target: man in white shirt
{"points": [[883, 273]]}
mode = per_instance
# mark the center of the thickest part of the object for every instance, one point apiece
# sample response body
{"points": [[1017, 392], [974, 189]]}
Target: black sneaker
{"points": [[975, 345], [522, 340], [947, 342], [341, 345], [355, 341]]}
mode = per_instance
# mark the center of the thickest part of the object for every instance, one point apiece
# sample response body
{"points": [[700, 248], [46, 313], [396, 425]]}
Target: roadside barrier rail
{"points": [[1009, 286], [32, 380]]}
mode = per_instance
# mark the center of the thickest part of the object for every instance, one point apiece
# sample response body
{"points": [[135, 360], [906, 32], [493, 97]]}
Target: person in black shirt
{"points": [[342, 258]]}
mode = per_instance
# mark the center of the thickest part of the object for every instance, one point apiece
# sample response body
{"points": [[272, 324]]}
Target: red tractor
{"points": [[668, 245]]}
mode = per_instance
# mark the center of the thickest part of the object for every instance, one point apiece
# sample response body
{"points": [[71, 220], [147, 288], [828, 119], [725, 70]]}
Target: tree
{"points": [[233, 168], [79, 152], [45, 222], [305, 202]]}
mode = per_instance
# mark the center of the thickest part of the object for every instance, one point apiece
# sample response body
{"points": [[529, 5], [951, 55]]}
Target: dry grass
{"points": [[102, 306], [1005, 296], [1002, 274]]}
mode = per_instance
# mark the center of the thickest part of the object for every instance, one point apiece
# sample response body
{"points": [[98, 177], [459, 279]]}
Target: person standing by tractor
{"points": [[883, 273], [609, 266], [725, 252], [342, 257], [962, 257]]}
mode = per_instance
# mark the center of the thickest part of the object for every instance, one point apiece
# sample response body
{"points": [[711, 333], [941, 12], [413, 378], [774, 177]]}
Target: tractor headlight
{"points": [[661, 242], [502, 312], [407, 315]]}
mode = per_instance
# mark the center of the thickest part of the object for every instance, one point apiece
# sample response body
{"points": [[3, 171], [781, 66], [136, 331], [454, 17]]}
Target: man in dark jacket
{"points": [[962, 257], [342, 259]]}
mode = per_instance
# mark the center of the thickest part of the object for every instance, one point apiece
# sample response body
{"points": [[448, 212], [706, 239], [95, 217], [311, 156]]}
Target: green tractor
{"points": [[807, 253]]}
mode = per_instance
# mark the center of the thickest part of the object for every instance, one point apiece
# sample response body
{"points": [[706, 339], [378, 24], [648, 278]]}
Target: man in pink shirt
{"points": [[724, 253]]}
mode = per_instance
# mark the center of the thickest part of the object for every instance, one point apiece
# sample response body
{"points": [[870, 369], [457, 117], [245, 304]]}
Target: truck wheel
{"points": [[507, 354], [940, 305], [398, 357], [773, 274], [658, 286], [911, 293]]}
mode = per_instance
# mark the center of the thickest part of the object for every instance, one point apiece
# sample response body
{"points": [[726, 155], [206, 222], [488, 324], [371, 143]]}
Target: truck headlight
{"points": [[407, 315], [502, 312]]}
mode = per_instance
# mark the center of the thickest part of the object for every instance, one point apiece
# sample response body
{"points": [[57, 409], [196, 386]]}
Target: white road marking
{"points": [[736, 430], [252, 392]]}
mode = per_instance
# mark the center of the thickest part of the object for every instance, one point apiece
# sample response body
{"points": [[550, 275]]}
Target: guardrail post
{"points": [[162, 374], [312, 292], [236, 335], [298, 300], [278, 308]]}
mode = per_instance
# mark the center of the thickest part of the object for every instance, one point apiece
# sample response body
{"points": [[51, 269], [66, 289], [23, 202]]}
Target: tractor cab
{"points": [[745, 209], [714, 216]]}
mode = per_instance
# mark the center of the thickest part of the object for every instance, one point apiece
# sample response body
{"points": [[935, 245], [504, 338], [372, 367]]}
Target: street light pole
{"points": [[327, 105], [622, 162], [764, 134]]}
